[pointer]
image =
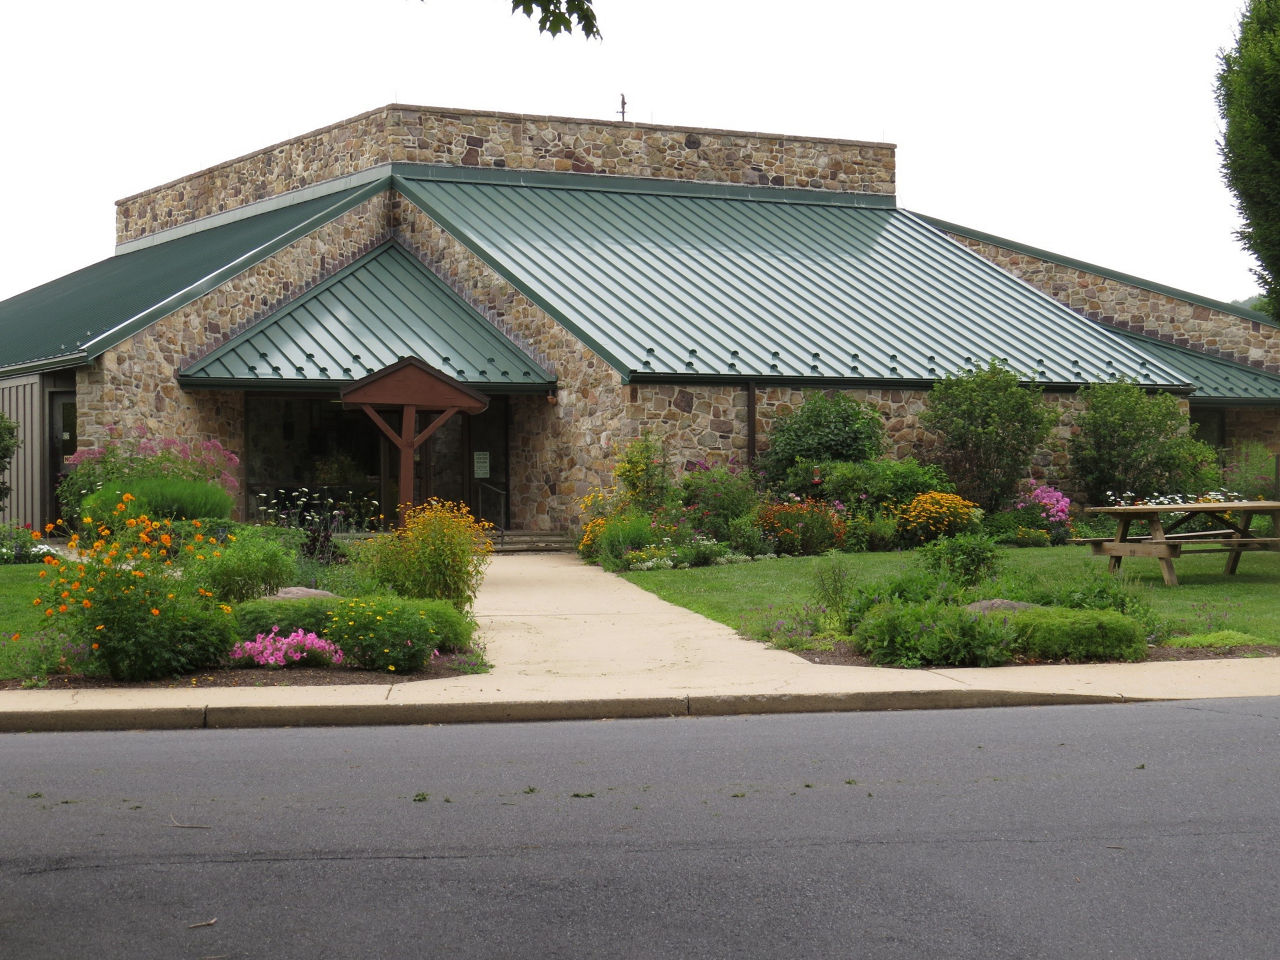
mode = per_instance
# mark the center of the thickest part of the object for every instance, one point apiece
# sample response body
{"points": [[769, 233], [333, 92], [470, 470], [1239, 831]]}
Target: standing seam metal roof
{"points": [[74, 318], [383, 307], [668, 284]]}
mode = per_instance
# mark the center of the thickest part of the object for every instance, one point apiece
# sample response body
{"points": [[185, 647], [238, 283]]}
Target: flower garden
{"points": [[136, 592]]}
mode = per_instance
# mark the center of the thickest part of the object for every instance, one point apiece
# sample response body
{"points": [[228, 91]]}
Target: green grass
{"points": [[1205, 600], [19, 585]]}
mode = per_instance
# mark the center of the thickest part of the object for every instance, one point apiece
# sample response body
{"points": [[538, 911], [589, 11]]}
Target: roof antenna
{"points": [[623, 112]]}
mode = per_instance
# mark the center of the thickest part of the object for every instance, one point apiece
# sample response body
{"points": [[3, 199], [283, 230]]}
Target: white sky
{"points": [[1087, 128]]}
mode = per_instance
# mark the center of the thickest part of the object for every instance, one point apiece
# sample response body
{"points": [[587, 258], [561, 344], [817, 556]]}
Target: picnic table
{"points": [[1167, 543]]}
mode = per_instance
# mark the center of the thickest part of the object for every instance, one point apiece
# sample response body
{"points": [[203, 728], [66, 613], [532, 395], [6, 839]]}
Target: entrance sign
{"points": [[480, 464]]}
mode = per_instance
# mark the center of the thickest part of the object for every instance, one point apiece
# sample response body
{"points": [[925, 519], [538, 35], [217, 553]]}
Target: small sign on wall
{"points": [[480, 464]]}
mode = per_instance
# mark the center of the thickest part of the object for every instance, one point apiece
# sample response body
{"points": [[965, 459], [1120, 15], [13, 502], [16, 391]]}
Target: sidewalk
{"points": [[572, 642]]}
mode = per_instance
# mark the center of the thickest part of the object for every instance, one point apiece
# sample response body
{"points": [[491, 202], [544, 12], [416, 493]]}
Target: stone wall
{"points": [[1127, 306], [398, 133], [132, 386], [560, 450]]}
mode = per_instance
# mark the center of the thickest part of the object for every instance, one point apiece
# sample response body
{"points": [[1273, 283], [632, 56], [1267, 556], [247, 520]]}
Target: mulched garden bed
{"points": [[439, 669]]}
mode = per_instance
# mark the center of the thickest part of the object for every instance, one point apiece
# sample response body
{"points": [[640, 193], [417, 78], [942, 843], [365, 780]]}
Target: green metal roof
{"points": [[1040, 254], [788, 284], [75, 318], [1218, 381], [383, 307]]}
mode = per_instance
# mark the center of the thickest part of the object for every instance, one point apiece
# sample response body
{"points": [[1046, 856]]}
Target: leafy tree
{"points": [[1249, 102], [8, 447], [556, 16], [1133, 443], [834, 427], [988, 426]]}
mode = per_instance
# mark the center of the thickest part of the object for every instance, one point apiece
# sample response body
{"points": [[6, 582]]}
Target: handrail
{"points": [[481, 486]]}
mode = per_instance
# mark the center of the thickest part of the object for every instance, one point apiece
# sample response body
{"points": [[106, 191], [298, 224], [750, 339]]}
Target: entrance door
{"points": [[62, 439]]}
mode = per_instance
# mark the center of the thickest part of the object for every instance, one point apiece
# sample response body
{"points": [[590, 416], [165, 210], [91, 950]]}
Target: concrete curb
{"points": [[241, 716]]}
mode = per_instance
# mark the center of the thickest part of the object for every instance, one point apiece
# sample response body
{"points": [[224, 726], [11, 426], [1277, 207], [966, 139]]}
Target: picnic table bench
{"points": [[1167, 543]]}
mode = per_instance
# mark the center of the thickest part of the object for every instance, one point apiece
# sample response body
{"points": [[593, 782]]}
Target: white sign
{"points": [[480, 467]]}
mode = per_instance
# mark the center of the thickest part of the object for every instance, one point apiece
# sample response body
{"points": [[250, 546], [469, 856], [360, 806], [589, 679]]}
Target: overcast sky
{"points": [[1087, 128]]}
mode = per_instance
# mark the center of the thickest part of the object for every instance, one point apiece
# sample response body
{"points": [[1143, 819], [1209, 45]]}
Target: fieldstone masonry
{"points": [[398, 133], [561, 446], [1127, 306]]}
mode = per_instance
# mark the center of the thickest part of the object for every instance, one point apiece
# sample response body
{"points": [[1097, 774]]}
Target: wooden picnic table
{"points": [[1166, 543]]}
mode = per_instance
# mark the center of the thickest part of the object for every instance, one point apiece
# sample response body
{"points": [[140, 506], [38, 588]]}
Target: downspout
{"points": [[751, 423]]}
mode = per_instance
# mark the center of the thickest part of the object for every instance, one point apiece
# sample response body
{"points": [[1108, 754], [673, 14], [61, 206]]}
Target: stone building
{"points": [[483, 306]]}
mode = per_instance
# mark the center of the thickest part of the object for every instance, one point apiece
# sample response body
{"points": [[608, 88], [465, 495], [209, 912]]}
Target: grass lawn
{"points": [[19, 585], [1204, 601]]}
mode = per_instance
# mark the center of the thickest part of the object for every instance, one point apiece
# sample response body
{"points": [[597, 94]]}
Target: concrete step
{"points": [[533, 541]]}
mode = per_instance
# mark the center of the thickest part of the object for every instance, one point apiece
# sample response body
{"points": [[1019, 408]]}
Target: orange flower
{"points": [[155, 612], [95, 646]]}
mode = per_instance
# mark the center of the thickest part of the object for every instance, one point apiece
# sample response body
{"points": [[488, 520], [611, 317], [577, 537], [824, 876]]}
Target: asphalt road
{"points": [[1133, 831]]}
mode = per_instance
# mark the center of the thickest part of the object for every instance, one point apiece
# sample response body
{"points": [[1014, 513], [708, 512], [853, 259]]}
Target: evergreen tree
{"points": [[1249, 101]]}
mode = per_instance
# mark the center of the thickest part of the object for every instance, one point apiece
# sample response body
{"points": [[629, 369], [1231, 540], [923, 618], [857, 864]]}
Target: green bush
{"points": [[248, 565], [18, 546], [910, 586], [134, 456], [439, 552], [1055, 633], [310, 614], [622, 533], [826, 427], [397, 635], [933, 633], [803, 527], [8, 447], [869, 487], [746, 537], [644, 474], [179, 499], [965, 560], [1250, 471], [717, 497], [988, 426], [1134, 444], [138, 643]]}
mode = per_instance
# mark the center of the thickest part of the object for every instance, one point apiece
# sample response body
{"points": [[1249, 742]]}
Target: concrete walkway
{"points": [[572, 642]]}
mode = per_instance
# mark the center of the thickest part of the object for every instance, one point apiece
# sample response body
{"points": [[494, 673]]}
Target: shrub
{"points": [[397, 635], [1055, 633], [439, 552], [21, 545], [802, 527], [826, 427], [988, 426], [717, 496], [247, 566], [643, 474], [933, 633], [620, 534], [178, 498], [746, 537], [965, 560], [1137, 444], [132, 597], [868, 488], [1250, 468], [8, 447], [910, 586], [298, 649], [134, 455], [933, 515], [309, 614], [833, 590]]}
